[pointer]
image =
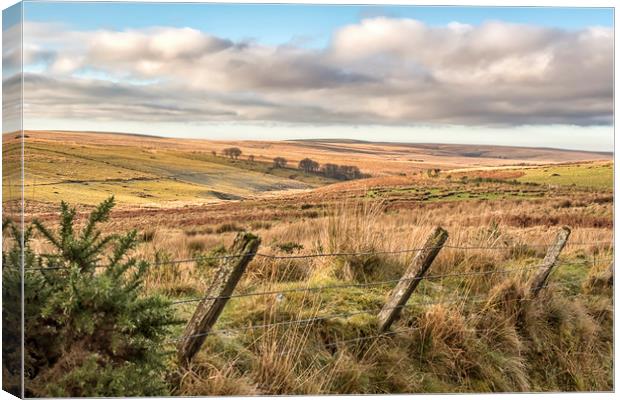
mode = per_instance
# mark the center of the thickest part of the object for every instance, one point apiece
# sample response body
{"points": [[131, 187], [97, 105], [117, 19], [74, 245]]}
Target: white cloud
{"points": [[378, 71]]}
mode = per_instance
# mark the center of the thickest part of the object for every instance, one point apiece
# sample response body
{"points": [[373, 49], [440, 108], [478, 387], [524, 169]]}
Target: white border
{"points": [[524, 3]]}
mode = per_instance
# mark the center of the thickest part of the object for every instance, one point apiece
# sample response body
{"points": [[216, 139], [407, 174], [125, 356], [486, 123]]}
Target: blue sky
{"points": [[492, 75], [278, 24]]}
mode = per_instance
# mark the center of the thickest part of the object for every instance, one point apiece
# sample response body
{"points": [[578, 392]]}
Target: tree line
{"points": [[329, 170], [308, 165]]}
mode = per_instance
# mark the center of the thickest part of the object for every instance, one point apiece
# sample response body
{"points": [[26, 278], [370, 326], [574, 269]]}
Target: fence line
{"points": [[245, 248], [470, 299], [339, 254], [322, 318], [396, 300], [366, 284], [410, 329]]}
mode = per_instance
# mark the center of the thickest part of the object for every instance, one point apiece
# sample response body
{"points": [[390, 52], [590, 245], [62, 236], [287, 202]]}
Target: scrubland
{"points": [[472, 326], [468, 331]]}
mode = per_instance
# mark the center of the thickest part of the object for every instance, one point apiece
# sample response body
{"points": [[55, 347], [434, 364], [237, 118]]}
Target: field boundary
{"points": [[246, 247]]}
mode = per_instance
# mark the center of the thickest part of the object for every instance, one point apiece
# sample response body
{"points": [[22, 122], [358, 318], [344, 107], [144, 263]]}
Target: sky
{"points": [[509, 76]]}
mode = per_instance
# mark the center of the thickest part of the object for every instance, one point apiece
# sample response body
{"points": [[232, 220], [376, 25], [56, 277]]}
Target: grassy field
{"points": [[595, 175], [148, 171], [472, 329], [88, 173]]}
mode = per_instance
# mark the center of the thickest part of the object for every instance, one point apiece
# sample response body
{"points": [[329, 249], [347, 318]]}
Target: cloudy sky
{"points": [[512, 76]]}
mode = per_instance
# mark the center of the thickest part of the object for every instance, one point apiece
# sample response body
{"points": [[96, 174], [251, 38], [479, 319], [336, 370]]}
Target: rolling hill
{"points": [[85, 167]]}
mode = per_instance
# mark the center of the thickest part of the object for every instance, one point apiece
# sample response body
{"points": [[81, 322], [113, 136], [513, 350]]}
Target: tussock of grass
{"points": [[486, 336], [501, 342], [228, 227]]}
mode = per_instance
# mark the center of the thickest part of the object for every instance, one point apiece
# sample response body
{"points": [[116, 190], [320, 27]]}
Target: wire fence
{"points": [[355, 285], [316, 318], [373, 311], [156, 263], [374, 283], [465, 299]]}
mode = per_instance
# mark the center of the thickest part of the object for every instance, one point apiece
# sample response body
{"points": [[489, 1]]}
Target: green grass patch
{"points": [[88, 174], [595, 175]]}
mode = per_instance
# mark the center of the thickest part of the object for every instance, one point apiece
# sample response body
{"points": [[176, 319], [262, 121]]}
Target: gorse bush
{"points": [[89, 330], [12, 304]]}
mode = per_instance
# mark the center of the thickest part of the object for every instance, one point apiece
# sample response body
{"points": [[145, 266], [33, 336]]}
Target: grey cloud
{"points": [[283, 71], [379, 71], [12, 103], [66, 98]]}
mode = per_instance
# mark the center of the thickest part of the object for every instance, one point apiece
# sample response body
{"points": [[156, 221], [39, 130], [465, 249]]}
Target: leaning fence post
{"points": [[411, 278], [209, 309], [549, 261]]}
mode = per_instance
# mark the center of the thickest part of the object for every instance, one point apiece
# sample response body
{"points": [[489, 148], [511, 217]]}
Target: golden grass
{"points": [[480, 334], [85, 167]]}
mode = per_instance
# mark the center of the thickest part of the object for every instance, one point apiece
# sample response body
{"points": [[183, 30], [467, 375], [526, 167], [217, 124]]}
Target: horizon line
{"points": [[332, 140]]}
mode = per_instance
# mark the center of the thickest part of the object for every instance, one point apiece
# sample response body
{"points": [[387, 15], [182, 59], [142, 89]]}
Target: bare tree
{"points": [[279, 162], [330, 170], [341, 172], [232, 152], [309, 165]]}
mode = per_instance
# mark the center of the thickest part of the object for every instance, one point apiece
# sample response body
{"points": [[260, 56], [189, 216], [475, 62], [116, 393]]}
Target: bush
{"points": [[90, 330], [279, 162], [12, 303]]}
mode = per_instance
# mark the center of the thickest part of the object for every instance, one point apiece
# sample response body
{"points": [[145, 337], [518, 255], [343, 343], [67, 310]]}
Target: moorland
{"points": [[472, 330]]}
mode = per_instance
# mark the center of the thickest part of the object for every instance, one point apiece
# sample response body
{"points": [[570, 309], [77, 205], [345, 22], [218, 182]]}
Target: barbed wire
{"points": [[339, 254], [411, 329], [470, 299], [354, 285], [318, 318]]}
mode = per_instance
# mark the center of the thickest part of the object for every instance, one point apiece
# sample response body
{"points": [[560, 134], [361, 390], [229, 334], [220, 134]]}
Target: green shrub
{"points": [[12, 302], [90, 330]]}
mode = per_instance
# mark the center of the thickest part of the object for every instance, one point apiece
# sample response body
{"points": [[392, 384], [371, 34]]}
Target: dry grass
{"points": [[491, 338], [501, 342]]}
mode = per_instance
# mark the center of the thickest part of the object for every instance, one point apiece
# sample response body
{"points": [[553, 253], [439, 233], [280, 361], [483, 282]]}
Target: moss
{"points": [[498, 345]]}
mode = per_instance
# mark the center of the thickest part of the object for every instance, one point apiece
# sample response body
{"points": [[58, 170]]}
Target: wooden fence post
{"points": [[209, 309], [549, 261], [411, 278]]}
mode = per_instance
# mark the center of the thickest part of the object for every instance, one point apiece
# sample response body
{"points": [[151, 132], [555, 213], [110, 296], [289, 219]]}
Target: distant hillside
{"points": [[86, 167], [544, 154]]}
